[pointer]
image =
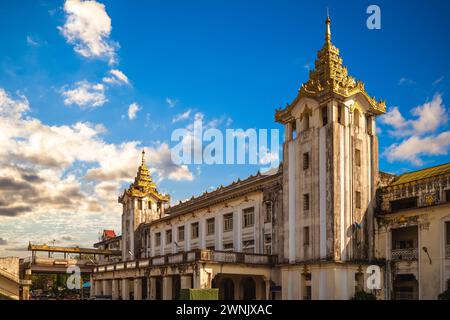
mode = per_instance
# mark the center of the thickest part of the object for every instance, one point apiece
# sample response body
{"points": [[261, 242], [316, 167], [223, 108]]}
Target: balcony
{"points": [[193, 256], [409, 254]]}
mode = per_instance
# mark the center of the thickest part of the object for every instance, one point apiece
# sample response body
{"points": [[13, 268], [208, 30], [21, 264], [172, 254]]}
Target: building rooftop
{"points": [[421, 174]]}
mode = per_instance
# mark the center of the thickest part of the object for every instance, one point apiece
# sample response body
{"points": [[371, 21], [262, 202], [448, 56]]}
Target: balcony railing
{"points": [[191, 256], [447, 252], [409, 254]]}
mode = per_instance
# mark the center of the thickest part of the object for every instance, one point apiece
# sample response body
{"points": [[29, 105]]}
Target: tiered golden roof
{"points": [[143, 184], [331, 77]]}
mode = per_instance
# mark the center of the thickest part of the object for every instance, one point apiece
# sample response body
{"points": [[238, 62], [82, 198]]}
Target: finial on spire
{"points": [[328, 28], [143, 156]]}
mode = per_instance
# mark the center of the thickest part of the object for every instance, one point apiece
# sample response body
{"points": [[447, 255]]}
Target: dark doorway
{"points": [[248, 288], [176, 287], [144, 289], [406, 287], [158, 289], [227, 289]]}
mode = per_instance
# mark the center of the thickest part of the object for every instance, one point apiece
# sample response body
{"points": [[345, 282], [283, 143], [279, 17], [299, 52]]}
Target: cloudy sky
{"points": [[86, 85]]}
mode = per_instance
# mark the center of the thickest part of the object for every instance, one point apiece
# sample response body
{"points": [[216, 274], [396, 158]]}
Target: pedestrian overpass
{"points": [[57, 260]]}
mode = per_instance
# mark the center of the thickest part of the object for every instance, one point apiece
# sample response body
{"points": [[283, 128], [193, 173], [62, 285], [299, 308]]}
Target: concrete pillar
{"points": [[125, 289], [115, 289], [92, 289], [152, 288], [107, 287], [138, 289], [202, 279], [167, 288], [98, 288], [185, 282], [237, 287], [149, 288], [267, 288]]}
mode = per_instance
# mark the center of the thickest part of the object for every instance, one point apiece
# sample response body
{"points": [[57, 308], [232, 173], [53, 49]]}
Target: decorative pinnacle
{"points": [[143, 157], [328, 28]]}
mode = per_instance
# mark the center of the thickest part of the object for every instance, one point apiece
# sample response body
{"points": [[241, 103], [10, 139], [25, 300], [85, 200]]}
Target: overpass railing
{"points": [[192, 256]]}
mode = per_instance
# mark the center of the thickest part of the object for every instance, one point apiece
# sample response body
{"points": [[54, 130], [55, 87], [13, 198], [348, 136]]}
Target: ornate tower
{"points": [[330, 164], [141, 203]]}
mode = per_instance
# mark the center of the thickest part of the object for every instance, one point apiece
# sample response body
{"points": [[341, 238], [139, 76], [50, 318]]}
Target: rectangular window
{"points": [[268, 217], [324, 116], [228, 246], [357, 157], [210, 226], [306, 236], [306, 160], [267, 244], [306, 202], [212, 248], [228, 222], [180, 233], [158, 239], [447, 195], [194, 230], [358, 200], [149, 204], [248, 246], [168, 237], [248, 216], [140, 202]]}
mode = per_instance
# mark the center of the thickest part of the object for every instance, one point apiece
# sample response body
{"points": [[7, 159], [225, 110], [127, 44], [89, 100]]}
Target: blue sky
{"points": [[231, 62]]}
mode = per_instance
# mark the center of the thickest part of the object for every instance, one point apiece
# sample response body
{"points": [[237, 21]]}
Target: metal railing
{"points": [[409, 254], [191, 256]]}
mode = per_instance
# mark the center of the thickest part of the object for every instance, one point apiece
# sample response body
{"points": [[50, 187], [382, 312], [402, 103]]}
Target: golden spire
{"points": [[143, 156], [329, 77], [328, 28]]}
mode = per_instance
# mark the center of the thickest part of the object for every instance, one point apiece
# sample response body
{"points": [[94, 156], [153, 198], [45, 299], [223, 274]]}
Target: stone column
{"points": [[115, 289], [237, 229], [267, 288], [138, 289], [203, 279], [107, 288], [98, 288], [152, 288], [149, 288], [185, 282], [125, 289], [92, 289], [167, 288]]}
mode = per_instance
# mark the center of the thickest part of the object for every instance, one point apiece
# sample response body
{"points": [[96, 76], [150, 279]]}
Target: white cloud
{"points": [[32, 42], [429, 117], [419, 138], [10, 107], [116, 77], [414, 147], [171, 102], [407, 81], [88, 28], [133, 110], [75, 153], [182, 116], [85, 94], [439, 80], [64, 180]]}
